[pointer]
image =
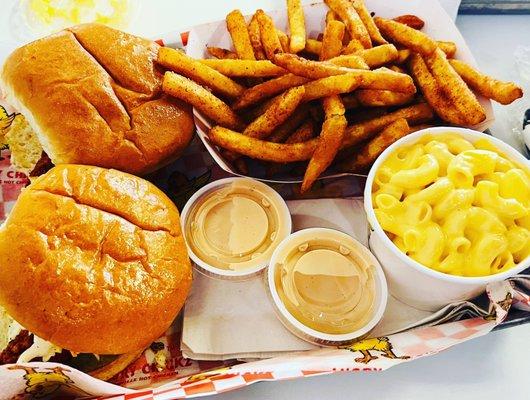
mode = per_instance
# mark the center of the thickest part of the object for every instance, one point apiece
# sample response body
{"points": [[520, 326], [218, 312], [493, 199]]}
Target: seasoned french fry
{"points": [[368, 22], [366, 156], [329, 142], [382, 78], [349, 61], [411, 21], [345, 10], [267, 89], [455, 88], [307, 68], [251, 114], [179, 62], [290, 125], [255, 38], [501, 92], [276, 114], [379, 55], [245, 68], [260, 149], [403, 56], [304, 133], [332, 40], [296, 17], [415, 114], [333, 106], [331, 16], [284, 40], [221, 53], [185, 89], [269, 38], [406, 36], [352, 47], [386, 79], [397, 68], [332, 85], [449, 48], [382, 98], [237, 27], [432, 91], [313, 46]]}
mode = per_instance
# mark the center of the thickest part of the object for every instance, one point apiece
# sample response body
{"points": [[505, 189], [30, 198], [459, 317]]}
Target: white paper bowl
{"points": [[410, 281], [214, 272], [311, 335]]}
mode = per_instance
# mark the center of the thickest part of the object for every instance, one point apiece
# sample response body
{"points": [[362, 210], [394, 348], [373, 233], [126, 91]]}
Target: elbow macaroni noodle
{"points": [[454, 206]]}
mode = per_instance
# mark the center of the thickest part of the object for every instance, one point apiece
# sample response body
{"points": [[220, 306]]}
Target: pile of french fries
{"points": [[340, 98]]}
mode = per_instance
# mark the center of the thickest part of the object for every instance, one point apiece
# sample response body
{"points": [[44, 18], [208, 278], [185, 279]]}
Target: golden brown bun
{"points": [[115, 366], [93, 96], [93, 260]]}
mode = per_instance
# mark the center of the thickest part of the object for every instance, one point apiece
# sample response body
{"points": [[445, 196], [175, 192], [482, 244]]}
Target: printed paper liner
{"points": [[375, 354], [187, 378]]}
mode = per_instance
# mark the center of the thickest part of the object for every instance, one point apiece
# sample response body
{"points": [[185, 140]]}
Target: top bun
{"points": [[93, 260], [93, 96]]}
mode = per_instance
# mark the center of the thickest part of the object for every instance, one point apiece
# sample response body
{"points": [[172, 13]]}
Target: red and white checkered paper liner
{"points": [[375, 354]]}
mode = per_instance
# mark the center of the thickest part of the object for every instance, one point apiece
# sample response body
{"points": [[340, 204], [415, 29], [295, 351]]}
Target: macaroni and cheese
{"points": [[454, 206]]}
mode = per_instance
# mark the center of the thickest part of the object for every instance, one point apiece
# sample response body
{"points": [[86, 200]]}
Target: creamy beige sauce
{"points": [[235, 226], [327, 285]]}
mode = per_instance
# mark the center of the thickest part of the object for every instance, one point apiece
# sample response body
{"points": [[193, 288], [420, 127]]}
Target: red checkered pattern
{"points": [[402, 347], [429, 340]]}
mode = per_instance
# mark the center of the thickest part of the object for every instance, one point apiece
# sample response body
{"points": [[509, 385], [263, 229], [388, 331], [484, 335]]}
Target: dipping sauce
{"points": [[327, 281], [235, 224]]}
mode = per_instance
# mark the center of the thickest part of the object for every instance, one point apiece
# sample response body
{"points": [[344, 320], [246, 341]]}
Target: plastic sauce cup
{"points": [[326, 287], [232, 226]]}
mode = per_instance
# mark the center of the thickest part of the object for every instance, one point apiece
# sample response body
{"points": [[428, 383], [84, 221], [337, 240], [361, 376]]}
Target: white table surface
{"points": [[492, 367]]}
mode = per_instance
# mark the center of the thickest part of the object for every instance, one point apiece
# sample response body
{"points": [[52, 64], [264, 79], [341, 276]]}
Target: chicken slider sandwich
{"points": [[93, 269], [92, 95]]}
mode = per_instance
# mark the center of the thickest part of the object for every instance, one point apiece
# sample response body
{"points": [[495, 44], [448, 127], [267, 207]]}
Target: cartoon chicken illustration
{"points": [[212, 375], [41, 384], [381, 345], [5, 119]]}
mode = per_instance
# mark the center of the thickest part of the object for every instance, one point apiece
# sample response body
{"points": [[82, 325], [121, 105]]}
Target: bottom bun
{"points": [[116, 366]]}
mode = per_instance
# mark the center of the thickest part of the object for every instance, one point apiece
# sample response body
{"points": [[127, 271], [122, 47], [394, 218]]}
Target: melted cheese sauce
{"points": [[326, 284], [235, 226]]}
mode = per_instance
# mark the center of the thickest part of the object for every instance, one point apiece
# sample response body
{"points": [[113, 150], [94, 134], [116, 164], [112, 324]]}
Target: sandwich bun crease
{"points": [[93, 95]]}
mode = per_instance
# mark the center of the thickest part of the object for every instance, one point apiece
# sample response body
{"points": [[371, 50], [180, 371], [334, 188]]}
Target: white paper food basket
{"points": [[439, 25]]}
